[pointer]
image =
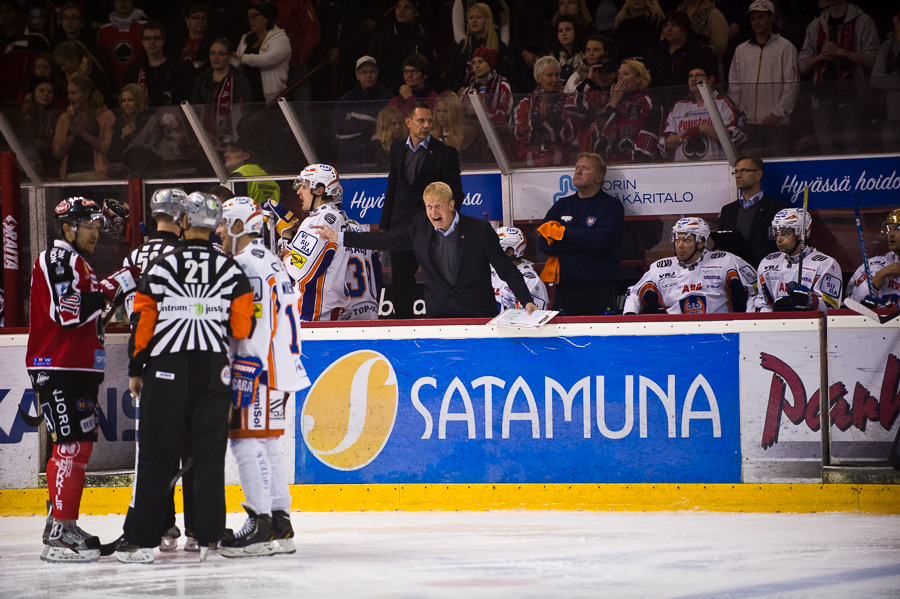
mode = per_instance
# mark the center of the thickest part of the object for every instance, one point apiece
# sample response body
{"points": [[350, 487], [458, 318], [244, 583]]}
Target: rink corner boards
{"points": [[769, 498]]}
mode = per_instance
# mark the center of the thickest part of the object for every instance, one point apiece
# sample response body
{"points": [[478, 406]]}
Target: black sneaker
{"points": [[254, 539], [283, 531]]}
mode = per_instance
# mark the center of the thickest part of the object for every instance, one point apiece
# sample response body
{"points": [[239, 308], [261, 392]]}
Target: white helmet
{"points": [[166, 201], [691, 225], [244, 209], [791, 218], [319, 174], [511, 237]]}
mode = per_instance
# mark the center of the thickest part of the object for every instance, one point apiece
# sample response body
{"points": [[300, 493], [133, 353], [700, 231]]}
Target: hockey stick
{"points": [[32, 421], [869, 312], [853, 304], [803, 237]]}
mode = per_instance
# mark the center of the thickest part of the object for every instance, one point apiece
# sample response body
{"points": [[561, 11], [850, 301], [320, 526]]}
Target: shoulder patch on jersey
{"points": [[664, 263], [304, 243], [831, 289], [772, 256], [818, 258], [528, 274], [716, 255], [330, 218], [258, 253], [256, 284], [748, 273]]}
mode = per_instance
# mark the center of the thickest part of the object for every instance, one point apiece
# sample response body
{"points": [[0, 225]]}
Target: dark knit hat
{"points": [[267, 9], [489, 55]]}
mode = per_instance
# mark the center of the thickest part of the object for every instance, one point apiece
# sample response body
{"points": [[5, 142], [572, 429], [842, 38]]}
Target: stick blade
{"points": [[870, 313]]}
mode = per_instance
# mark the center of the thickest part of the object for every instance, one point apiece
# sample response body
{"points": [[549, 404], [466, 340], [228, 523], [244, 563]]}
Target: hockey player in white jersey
{"points": [[363, 281], [319, 267], [781, 288], [884, 270], [695, 280], [257, 422], [513, 243]]}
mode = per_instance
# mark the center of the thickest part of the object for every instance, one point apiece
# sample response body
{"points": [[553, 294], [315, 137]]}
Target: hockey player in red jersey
{"points": [[65, 360]]}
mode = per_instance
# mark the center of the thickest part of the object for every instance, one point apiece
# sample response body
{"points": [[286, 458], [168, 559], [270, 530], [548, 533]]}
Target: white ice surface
{"points": [[402, 555]]}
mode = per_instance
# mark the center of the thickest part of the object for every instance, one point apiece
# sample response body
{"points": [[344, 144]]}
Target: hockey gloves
{"points": [[245, 371], [119, 284], [799, 299]]}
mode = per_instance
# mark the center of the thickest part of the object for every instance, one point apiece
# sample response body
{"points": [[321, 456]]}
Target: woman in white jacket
{"points": [[264, 53]]}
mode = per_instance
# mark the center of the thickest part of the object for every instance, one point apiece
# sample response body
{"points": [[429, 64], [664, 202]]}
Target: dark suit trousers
{"points": [[403, 282]]}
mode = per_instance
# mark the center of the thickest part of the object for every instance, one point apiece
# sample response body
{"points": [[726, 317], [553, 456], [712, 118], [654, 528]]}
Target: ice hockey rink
{"points": [[497, 554]]}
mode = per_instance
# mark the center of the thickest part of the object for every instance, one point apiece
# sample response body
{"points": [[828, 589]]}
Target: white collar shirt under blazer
{"points": [[361, 285], [319, 267], [505, 297], [778, 273], [276, 338], [717, 282], [858, 287]]}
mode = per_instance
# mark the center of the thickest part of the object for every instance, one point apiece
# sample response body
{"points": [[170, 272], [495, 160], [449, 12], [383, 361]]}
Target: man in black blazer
{"points": [[415, 164], [455, 251], [753, 211]]}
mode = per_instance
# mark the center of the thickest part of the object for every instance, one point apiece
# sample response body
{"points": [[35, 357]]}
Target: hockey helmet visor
{"points": [[315, 175], [690, 226], [795, 219], [78, 209], [891, 223]]}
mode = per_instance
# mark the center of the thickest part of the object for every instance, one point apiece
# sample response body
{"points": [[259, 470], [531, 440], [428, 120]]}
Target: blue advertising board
{"points": [[529, 410], [832, 183], [364, 198]]}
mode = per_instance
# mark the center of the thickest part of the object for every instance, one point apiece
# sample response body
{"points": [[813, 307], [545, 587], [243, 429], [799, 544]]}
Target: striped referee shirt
{"points": [[190, 299]]}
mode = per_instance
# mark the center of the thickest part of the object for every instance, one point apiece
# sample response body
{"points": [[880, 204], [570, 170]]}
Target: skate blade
{"points": [[255, 550], [286, 546], [139, 556], [63, 555]]}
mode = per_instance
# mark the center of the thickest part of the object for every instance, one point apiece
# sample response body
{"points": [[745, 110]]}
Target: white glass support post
{"points": [[16, 147], [718, 123], [211, 154], [499, 155], [297, 130]]}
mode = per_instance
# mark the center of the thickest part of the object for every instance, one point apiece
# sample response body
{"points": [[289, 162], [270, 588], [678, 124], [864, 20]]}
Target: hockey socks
{"points": [[65, 477]]}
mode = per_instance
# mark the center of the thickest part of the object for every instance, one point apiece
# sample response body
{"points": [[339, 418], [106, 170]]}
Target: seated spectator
{"points": [[41, 116], [414, 90], [596, 47], [638, 27], [630, 125], [710, 25], [403, 37], [492, 88], [83, 133], [886, 77], [72, 28], [74, 59], [689, 128], [222, 87], [18, 47], [192, 45], [697, 281], [42, 16], [120, 40], [167, 82], [499, 15], [567, 46], [528, 31], [670, 61], [240, 160], [264, 54], [356, 113], [583, 22], [480, 32], [390, 127], [45, 66], [541, 121], [451, 127], [132, 118]]}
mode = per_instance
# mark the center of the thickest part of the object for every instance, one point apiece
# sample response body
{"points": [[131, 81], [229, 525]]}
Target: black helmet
{"points": [[77, 209], [115, 219]]}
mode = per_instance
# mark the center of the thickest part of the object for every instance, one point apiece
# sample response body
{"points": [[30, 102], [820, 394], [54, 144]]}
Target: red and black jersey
{"points": [[66, 303]]}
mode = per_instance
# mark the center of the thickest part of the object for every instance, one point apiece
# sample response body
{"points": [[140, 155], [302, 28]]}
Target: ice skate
{"points": [[169, 540], [254, 539], [129, 553], [283, 531], [107, 549], [191, 544], [68, 543]]}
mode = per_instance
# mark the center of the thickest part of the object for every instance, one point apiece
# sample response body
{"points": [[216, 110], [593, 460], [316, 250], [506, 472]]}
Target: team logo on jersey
{"points": [[43, 362], [304, 243], [297, 260], [123, 51], [350, 411], [693, 304], [590, 221], [225, 375]]}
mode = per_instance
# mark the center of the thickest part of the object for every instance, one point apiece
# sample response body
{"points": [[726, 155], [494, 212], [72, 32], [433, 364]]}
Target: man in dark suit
{"points": [[753, 211], [420, 161], [456, 252]]}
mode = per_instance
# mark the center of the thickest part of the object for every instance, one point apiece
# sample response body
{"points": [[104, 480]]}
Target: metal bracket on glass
{"points": [[489, 132], [200, 134], [718, 123], [16, 147], [305, 146]]}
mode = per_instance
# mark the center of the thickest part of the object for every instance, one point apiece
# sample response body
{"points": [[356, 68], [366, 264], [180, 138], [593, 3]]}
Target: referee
{"points": [[189, 303]]}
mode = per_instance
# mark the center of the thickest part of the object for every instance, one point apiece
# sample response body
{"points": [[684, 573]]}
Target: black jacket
{"points": [[394, 44], [403, 202], [759, 242], [472, 294], [169, 84]]}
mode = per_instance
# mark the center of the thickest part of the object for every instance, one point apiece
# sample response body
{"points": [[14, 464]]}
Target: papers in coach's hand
{"points": [[522, 319]]}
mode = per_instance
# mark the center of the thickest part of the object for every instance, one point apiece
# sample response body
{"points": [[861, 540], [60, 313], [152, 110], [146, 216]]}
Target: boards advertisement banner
{"points": [[546, 409], [832, 182]]}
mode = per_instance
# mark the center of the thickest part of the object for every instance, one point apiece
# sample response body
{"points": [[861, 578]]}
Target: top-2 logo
{"points": [[350, 411]]}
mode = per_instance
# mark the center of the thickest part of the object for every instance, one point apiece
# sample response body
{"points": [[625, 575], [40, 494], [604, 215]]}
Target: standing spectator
{"points": [[265, 53], [390, 128], [40, 122], [499, 15], [357, 111], [18, 47], [689, 130], [480, 32], [42, 16], [72, 28], [342, 31], [414, 165], [120, 40], [191, 45], [298, 20], [670, 61], [492, 88], [132, 118], [596, 47], [414, 90], [224, 88], [450, 127], [886, 77], [630, 125], [839, 49], [167, 82], [529, 20], [45, 66], [752, 212], [399, 40], [710, 24], [763, 81], [638, 27], [568, 46], [593, 97], [541, 122], [83, 134], [74, 59], [582, 234]]}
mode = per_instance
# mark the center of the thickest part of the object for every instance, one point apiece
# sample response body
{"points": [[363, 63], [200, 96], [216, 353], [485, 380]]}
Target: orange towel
{"points": [[550, 274], [551, 230]]}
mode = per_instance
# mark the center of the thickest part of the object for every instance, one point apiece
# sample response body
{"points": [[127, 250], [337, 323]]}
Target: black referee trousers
{"points": [[184, 397]]}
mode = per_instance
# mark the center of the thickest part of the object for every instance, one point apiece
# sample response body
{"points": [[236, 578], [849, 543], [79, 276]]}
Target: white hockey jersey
{"points": [[275, 340], [858, 287], [505, 297], [778, 273], [319, 267], [686, 114], [717, 282], [363, 277]]}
